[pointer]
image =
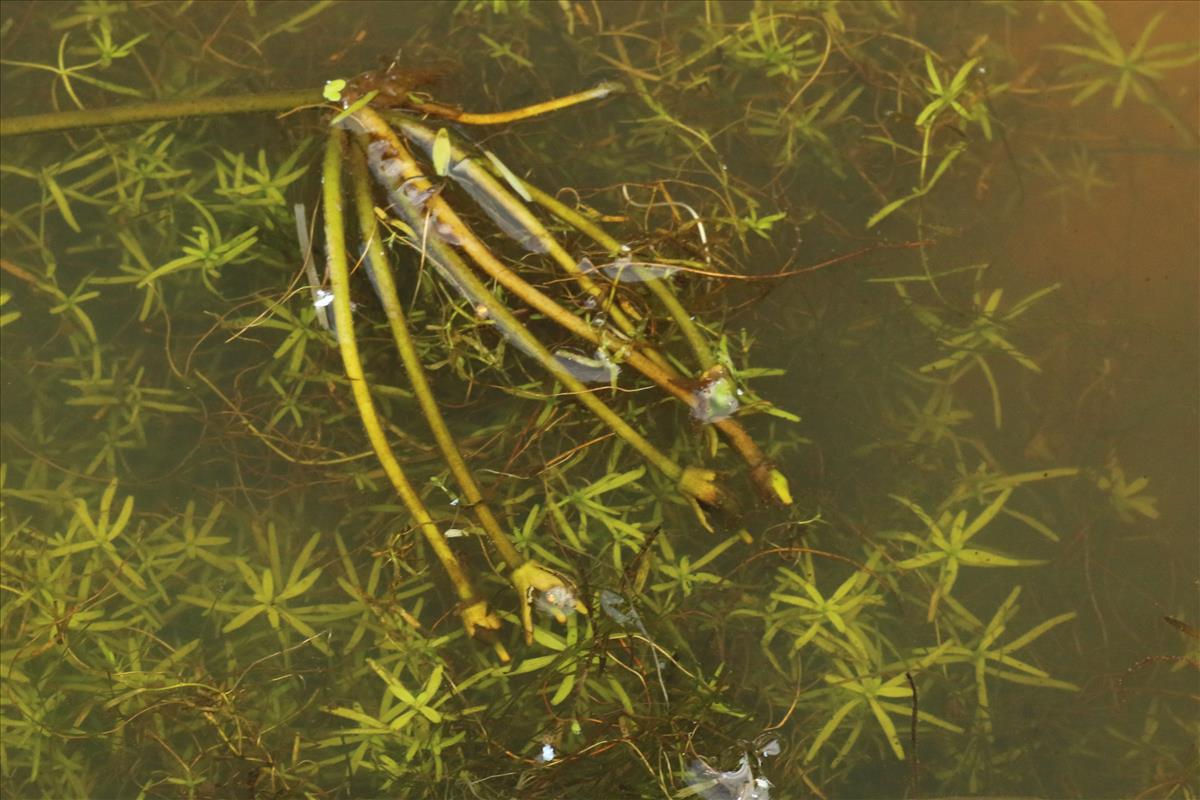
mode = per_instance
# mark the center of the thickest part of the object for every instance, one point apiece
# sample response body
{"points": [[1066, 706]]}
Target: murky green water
{"points": [[945, 254]]}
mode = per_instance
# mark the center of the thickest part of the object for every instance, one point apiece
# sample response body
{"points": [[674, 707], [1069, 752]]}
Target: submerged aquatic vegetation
{"points": [[267, 475]]}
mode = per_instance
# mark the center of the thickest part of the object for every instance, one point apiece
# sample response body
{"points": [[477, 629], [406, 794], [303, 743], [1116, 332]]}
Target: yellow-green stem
{"points": [[771, 482], [443, 256], [487, 261], [335, 243], [536, 110], [270, 101], [476, 172], [163, 109], [382, 273], [646, 360], [675, 309]]}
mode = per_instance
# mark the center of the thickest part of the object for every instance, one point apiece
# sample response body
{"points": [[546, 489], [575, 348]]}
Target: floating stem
{"points": [[770, 481], [474, 613], [687, 326], [395, 164], [386, 286], [482, 182], [164, 109], [269, 101], [536, 110], [520, 568]]}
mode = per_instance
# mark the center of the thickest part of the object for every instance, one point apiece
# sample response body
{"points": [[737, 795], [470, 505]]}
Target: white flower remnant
{"points": [[323, 298]]}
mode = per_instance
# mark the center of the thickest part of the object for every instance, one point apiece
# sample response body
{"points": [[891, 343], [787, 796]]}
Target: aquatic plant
{"points": [[268, 474]]}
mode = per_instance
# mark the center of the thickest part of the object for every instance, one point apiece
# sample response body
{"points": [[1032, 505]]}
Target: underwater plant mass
{"points": [[501, 399]]}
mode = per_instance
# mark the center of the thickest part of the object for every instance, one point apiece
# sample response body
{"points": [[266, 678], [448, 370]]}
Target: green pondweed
{"points": [[568, 337], [1103, 63]]}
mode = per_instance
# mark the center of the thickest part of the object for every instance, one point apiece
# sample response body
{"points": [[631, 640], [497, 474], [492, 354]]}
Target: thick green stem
{"points": [[269, 101], [381, 270], [660, 290], [770, 481], [475, 172], [487, 261], [469, 170], [474, 614], [165, 109], [598, 92], [400, 168]]}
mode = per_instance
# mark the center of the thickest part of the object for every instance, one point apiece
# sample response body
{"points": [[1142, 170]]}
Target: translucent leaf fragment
{"points": [[504, 212], [418, 197], [738, 784], [625, 270], [716, 399], [607, 88], [622, 612], [510, 178], [446, 233], [600, 369], [619, 610], [386, 168]]}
